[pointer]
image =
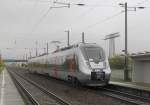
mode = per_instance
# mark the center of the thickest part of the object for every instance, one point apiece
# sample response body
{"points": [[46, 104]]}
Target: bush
{"points": [[1, 65], [118, 62]]}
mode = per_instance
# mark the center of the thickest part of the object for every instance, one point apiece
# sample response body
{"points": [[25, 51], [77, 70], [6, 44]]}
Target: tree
{"points": [[1, 65], [118, 62]]}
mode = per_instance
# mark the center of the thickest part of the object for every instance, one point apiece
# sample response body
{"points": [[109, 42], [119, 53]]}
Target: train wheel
{"points": [[69, 79], [74, 81]]}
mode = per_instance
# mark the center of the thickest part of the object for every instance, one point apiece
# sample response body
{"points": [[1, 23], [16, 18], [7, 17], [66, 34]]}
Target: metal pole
{"points": [[126, 45], [83, 37], [113, 47], [68, 38], [47, 47], [110, 47], [30, 54], [0, 57], [36, 48], [26, 57]]}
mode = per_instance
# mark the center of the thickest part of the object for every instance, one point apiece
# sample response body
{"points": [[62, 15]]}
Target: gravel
{"points": [[39, 95], [75, 96]]}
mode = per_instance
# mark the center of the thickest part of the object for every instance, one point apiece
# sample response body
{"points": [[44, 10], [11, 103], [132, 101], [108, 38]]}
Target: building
{"points": [[141, 67]]}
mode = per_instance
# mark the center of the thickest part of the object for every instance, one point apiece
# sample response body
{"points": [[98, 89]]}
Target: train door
{"points": [[71, 63]]}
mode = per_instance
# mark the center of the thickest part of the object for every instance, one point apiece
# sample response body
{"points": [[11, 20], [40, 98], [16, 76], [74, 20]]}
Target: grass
{"points": [[1, 69]]}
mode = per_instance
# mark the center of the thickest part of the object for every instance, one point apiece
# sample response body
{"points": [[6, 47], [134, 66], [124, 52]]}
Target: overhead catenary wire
{"points": [[41, 19], [142, 2], [83, 4], [110, 17], [86, 12], [104, 20], [93, 6], [50, 8]]}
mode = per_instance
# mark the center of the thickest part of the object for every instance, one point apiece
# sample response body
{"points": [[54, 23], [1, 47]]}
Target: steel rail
{"points": [[126, 97], [133, 99], [52, 95], [132, 95], [25, 91], [133, 90]]}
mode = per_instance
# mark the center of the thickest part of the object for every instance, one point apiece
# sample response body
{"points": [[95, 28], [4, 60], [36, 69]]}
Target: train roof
{"points": [[67, 48], [75, 46]]}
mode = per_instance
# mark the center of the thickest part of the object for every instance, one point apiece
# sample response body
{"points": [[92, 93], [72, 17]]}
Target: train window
{"points": [[93, 53]]}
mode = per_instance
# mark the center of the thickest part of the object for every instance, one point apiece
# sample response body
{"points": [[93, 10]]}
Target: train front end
{"points": [[95, 66]]}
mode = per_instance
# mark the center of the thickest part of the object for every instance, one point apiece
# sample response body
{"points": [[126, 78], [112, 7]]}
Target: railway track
{"points": [[124, 96], [51, 100], [109, 91], [28, 98]]}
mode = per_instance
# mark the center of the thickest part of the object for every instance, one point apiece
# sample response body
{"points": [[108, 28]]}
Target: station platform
{"points": [[9, 94], [135, 85]]}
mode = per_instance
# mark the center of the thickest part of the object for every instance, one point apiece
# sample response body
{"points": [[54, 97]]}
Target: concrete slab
{"points": [[9, 95]]}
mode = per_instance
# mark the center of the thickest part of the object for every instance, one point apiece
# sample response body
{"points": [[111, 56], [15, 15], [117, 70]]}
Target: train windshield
{"points": [[93, 53]]}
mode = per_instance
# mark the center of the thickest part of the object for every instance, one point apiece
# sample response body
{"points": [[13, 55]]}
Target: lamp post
{"points": [[36, 43], [62, 5], [125, 5], [83, 41], [47, 48], [68, 37], [126, 45]]}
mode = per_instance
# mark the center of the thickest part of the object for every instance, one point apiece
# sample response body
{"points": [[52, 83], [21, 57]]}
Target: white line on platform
{"points": [[2, 87]]}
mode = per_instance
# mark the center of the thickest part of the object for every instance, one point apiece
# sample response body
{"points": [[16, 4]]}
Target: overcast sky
{"points": [[23, 22]]}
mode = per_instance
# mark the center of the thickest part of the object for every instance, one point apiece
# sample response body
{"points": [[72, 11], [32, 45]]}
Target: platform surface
{"points": [[136, 85], [9, 94]]}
